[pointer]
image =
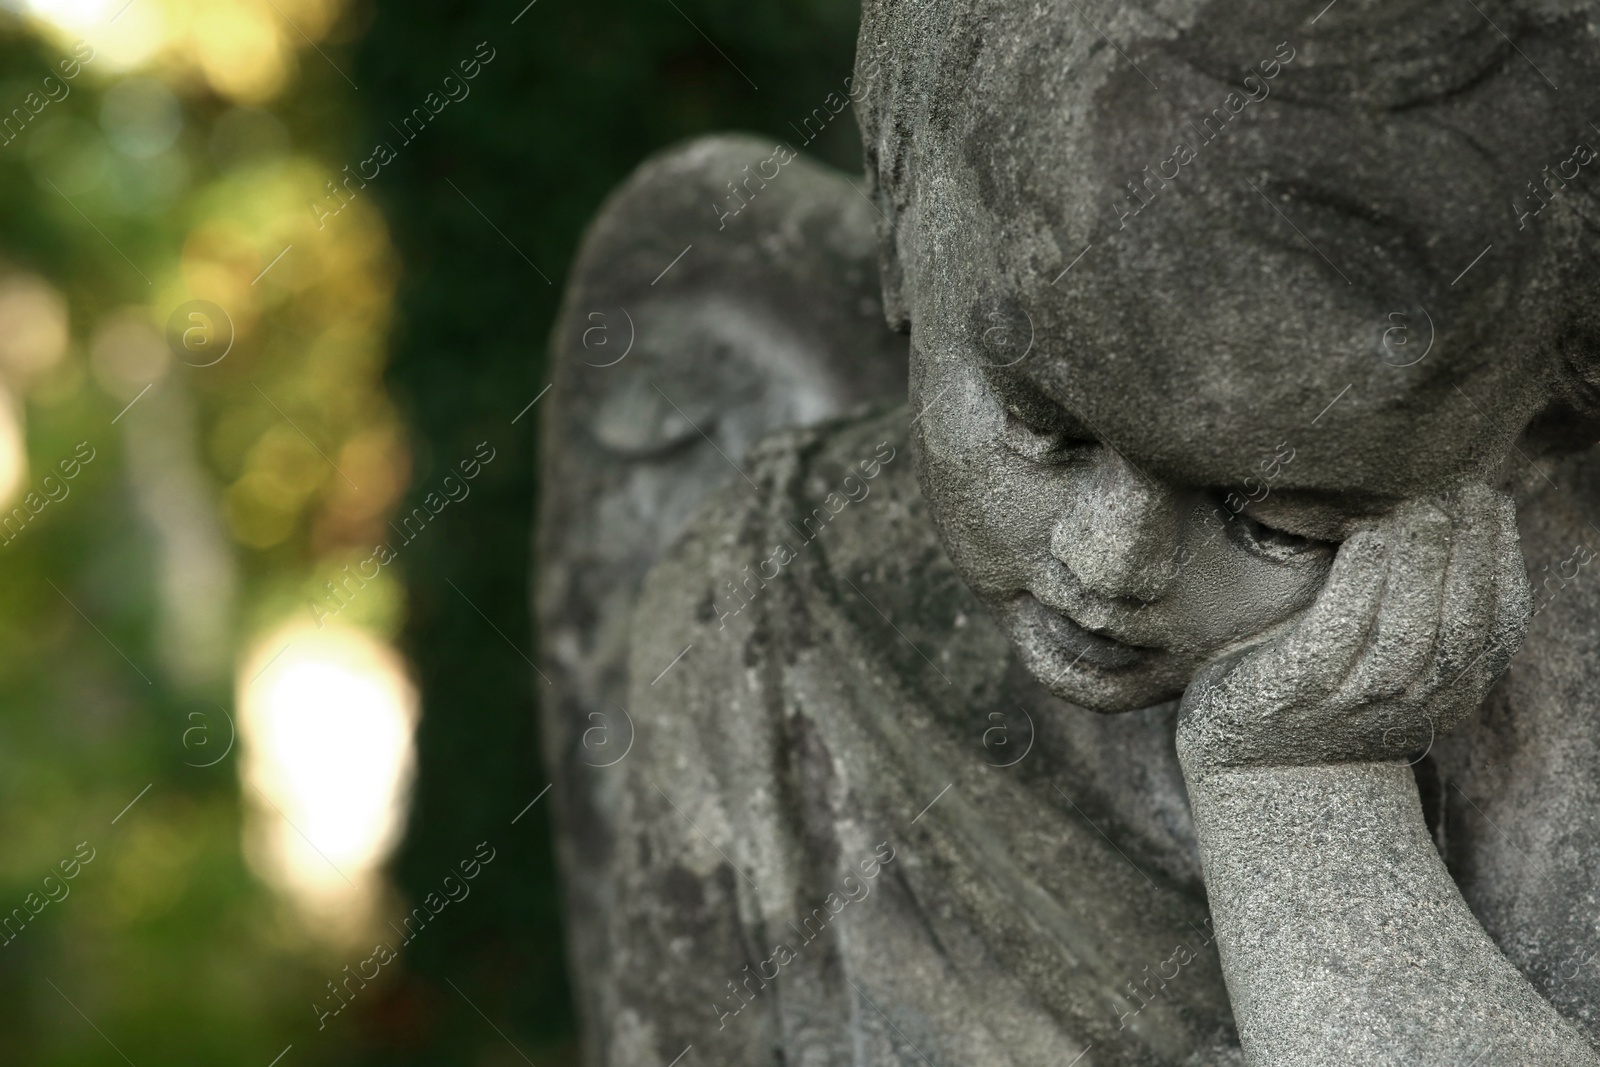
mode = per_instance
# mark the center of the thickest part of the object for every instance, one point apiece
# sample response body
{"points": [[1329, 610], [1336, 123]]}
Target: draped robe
{"points": [[817, 696]]}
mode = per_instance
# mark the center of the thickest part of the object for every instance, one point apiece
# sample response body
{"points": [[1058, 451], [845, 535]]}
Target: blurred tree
{"points": [[127, 594]]}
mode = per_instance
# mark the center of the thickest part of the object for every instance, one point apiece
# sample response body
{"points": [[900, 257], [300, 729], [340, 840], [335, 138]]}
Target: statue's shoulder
{"points": [[822, 552], [716, 848], [809, 501]]}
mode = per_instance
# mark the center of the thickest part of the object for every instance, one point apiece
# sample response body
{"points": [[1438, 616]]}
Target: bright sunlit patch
{"points": [[13, 449], [73, 12], [244, 49], [327, 757], [124, 35], [246, 56]]}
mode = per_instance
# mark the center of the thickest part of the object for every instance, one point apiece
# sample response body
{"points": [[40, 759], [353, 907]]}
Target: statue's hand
{"points": [[1418, 617]]}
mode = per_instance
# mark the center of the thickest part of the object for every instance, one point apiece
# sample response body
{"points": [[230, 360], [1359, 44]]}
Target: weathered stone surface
{"points": [[663, 378], [827, 718], [1252, 389]]}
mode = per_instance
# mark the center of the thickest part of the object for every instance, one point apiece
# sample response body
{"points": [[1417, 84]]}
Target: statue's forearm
{"points": [[1343, 938]]}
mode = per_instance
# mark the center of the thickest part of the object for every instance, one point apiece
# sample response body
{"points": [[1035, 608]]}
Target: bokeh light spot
{"points": [[326, 721]]}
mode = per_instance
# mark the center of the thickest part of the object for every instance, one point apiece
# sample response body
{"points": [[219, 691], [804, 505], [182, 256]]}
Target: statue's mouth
{"points": [[1080, 644]]}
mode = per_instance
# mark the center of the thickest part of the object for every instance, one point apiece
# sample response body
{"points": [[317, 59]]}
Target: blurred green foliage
{"points": [[169, 949]]}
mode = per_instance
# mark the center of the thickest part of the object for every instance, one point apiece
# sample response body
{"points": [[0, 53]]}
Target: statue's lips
{"points": [[1082, 647]]}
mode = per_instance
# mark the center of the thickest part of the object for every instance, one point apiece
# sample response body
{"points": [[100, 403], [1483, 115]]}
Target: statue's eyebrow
{"points": [[1358, 216], [1021, 391]]}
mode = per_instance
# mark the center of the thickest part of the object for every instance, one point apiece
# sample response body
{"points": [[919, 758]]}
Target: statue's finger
{"points": [[1467, 606], [1401, 640]]}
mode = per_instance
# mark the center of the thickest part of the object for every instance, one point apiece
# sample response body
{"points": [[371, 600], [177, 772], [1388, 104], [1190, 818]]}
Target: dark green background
{"points": [[577, 96]]}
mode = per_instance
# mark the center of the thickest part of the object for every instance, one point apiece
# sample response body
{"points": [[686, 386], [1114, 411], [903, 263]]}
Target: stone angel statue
{"points": [[1111, 585]]}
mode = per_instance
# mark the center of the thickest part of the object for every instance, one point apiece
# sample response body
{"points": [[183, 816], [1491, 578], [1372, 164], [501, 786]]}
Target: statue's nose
{"points": [[1116, 530]]}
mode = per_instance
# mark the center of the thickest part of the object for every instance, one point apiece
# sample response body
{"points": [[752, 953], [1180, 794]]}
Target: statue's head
{"points": [[1152, 254]]}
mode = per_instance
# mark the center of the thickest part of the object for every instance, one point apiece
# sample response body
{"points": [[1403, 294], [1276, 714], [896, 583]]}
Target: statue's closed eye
{"points": [[1274, 543], [1042, 432]]}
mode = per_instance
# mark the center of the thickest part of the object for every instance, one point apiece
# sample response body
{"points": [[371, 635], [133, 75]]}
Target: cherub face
{"points": [[1145, 417], [1114, 578]]}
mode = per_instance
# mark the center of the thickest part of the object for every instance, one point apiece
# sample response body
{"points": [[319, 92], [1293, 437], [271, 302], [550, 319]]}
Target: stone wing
{"points": [[727, 290]]}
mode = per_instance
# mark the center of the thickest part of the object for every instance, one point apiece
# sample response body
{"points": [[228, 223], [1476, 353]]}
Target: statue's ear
{"points": [[889, 222], [885, 145], [893, 277]]}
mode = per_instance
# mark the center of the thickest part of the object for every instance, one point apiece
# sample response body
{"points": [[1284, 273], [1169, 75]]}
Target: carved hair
{"points": [[926, 61]]}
